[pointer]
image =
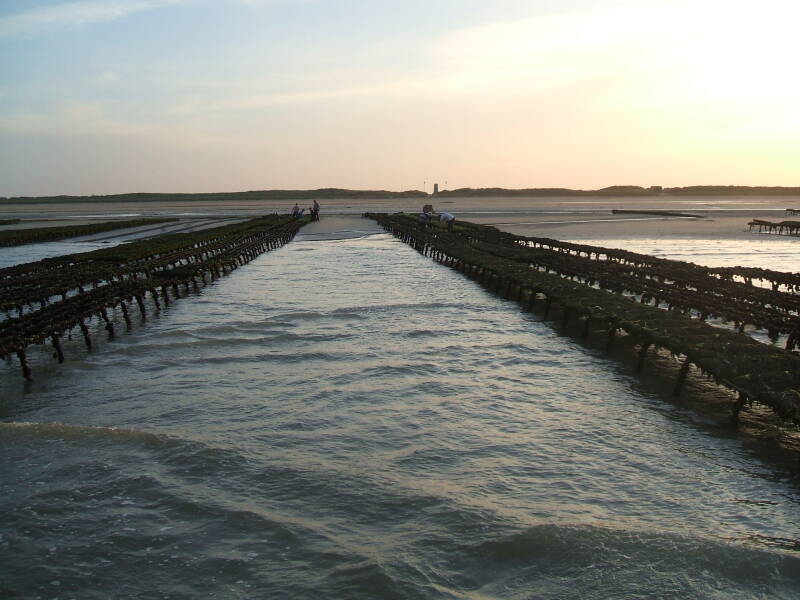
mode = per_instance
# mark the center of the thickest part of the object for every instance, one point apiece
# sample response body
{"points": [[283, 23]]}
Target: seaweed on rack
{"points": [[53, 296], [758, 372]]}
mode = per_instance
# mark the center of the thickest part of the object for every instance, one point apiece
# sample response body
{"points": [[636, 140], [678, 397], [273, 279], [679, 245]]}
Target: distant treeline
{"points": [[617, 190], [338, 193], [734, 190], [326, 193], [631, 190]]}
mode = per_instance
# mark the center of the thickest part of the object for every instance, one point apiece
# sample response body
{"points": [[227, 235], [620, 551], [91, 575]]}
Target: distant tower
{"points": [[435, 188]]}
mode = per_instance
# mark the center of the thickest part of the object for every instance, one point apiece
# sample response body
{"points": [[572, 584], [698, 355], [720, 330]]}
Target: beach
{"points": [[723, 217], [577, 377], [348, 418], [345, 417]]}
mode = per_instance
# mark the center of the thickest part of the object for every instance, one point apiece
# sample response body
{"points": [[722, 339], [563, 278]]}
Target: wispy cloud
{"points": [[74, 15], [262, 100], [107, 77], [92, 120]]}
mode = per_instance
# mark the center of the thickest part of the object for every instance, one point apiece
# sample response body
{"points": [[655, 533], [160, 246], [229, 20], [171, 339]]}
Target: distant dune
{"points": [[338, 193], [327, 193], [631, 190]]}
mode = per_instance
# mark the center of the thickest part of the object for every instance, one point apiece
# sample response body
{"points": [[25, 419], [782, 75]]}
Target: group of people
{"points": [[445, 217], [312, 210]]}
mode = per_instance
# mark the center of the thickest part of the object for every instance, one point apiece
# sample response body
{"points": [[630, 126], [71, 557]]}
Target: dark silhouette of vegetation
{"points": [[344, 194], [626, 190], [616, 190], [323, 193], [8, 221], [733, 190]]}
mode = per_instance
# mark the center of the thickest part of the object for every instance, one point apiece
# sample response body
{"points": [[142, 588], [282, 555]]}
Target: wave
{"points": [[224, 341], [344, 532], [574, 561], [65, 431], [416, 306]]}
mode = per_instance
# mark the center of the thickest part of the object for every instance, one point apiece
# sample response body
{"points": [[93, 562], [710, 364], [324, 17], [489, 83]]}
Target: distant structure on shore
{"points": [[339, 193]]}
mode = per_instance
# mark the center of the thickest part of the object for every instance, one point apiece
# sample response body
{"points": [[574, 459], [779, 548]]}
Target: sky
{"points": [[115, 96]]}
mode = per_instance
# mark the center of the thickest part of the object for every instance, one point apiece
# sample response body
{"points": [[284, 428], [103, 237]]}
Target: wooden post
{"points": [[109, 326], [642, 355], [142, 310], [85, 332], [737, 408], [681, 376], [57, 346], [531, 300], [791, 341], [125, 314], [23, 361], [612, 332]]}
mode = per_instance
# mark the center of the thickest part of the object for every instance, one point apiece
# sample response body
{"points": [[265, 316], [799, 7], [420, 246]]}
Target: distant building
{"points": [[435, 188]]}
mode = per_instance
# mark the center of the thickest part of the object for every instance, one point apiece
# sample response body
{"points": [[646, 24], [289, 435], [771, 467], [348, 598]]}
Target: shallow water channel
{"points": [[348, 419]]}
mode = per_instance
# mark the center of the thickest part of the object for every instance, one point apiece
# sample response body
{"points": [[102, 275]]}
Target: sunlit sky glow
{"points": [[221, 95]]}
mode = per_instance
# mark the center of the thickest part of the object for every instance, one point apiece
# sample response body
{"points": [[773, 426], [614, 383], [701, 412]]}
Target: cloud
{"points": [[92, 120], [649, 53], [74, 15], [309, 95], [107, 77]]}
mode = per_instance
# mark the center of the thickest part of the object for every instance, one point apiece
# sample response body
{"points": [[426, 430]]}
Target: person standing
{"points": [[315, 211]]}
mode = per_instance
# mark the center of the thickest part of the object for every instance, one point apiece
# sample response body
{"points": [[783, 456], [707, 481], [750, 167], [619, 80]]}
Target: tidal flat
{"points": [[344, 418]]}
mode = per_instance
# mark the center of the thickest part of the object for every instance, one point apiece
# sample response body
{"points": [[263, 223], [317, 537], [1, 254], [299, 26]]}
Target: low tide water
{"points": [[778, 253], [347, 419], [16, 255]]}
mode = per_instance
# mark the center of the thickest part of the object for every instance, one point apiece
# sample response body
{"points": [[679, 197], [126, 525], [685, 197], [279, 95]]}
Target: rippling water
{"points": [[346, 419], [768, 251], [32, 252]]}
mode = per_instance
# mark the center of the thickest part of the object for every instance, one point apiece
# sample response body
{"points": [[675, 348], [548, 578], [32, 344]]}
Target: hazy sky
{"points": [[223, 95]]}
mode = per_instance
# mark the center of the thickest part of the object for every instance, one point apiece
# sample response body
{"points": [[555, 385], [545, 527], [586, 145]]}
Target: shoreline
{"points": [[558, 217]]}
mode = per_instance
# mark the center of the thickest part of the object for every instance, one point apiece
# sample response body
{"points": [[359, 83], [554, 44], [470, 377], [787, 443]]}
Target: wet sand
{"points": [[723, 217], [719, 226]]}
